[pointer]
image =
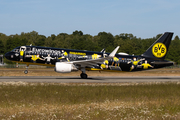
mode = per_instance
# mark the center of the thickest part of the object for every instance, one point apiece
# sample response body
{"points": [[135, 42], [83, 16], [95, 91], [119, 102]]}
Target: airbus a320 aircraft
{"points": [[67, 60]]}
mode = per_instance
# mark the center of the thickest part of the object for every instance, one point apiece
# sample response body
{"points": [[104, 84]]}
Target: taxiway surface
{"points": [[57, 79]]}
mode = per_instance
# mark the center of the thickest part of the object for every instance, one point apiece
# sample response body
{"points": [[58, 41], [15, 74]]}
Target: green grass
{"points": [[90, 101]]}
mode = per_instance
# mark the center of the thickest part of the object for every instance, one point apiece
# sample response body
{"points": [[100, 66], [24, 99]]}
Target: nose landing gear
{"points": [[26, 71]]}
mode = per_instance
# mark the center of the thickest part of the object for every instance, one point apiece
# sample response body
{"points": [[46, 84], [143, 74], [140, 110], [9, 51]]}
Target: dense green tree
{"points": [[24, 41], [2, 49], [106, 40], [40, 41], [63, 40], [53, 36], [49, 42], [77, 32], [174, 50], [32, 37], [78, 43], [10, 44], [4, 38]]}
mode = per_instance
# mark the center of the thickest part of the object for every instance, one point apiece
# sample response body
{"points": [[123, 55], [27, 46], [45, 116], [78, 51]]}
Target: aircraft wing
{"points": [[89, 63], [92, 62]]}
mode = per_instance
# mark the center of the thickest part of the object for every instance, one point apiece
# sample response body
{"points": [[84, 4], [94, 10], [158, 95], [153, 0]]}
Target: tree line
{"points": [[77, 40]]}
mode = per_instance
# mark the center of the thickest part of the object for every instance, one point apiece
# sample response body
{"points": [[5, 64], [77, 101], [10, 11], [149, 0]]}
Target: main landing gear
{"points": [[26, 71], [83, 74]]}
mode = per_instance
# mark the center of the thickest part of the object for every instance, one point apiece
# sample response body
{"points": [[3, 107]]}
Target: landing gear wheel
{"points": [[83, 75], [26, 71]]}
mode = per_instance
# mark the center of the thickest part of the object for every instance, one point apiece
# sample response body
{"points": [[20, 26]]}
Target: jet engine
{"points": [[64, 67]]}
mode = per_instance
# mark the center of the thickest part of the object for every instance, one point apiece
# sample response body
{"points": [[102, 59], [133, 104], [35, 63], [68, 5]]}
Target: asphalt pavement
{"points": [[57, 79]]}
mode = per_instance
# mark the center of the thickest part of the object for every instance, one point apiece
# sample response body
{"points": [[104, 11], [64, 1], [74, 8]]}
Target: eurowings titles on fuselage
{"points": [[67, 60]]}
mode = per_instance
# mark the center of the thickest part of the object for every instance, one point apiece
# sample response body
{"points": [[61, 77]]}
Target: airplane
{"points": [[68, 60]]}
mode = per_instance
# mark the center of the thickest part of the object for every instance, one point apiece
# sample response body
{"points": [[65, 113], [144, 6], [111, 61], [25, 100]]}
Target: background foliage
{"points": [[77, 40]]}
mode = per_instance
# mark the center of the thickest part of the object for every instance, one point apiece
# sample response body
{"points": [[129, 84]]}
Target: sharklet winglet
{"points": [[112, 54]]}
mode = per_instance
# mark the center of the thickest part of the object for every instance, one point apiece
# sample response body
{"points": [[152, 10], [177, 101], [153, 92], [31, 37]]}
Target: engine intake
{"points": [[64, 67]]}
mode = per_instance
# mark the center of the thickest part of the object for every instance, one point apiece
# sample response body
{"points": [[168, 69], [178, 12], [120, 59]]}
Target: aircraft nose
{"points": [[8, 55]]}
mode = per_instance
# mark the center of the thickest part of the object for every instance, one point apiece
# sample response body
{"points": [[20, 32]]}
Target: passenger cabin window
{"points": [[28, 49]]}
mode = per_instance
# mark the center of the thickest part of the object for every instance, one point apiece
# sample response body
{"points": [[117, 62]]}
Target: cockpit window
{"points": [[15, 50]]}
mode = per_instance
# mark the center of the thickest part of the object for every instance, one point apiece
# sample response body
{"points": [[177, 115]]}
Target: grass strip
{"points": [[90, 101]]}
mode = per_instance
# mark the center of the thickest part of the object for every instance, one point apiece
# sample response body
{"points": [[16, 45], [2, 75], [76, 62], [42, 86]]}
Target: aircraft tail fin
{"points": [[159, 48]]}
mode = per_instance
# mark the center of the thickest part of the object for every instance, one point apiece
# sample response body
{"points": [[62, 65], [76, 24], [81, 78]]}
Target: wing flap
{"points": [[92, 62]]}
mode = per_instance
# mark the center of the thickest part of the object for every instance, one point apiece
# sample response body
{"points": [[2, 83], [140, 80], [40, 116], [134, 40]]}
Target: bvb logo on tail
{"points": [[159, 50]]}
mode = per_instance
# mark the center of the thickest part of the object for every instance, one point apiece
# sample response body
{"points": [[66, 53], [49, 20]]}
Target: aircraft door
{"points": [[22, 50], [28, 51]]}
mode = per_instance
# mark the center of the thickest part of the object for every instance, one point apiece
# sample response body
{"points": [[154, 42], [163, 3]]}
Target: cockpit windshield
{"points": [[16, 49]]}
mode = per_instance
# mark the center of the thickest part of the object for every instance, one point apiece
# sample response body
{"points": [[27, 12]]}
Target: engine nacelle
{"points": [[63, 67]]}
